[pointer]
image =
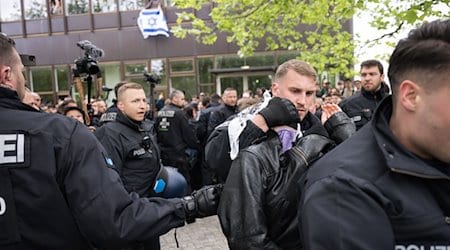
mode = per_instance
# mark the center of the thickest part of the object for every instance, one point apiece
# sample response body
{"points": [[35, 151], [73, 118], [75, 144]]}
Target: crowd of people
{"points": [[354, 165]]}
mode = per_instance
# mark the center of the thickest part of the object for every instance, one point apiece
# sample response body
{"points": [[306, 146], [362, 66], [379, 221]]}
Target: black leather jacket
{"points": [[338, 127], [371, 193], [258, 206]]}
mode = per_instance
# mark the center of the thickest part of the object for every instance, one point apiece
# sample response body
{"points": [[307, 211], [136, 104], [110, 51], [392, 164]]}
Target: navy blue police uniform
{"points": [[58, 191]]}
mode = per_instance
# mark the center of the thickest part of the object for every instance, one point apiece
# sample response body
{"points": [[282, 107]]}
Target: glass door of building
{"points": [[235, 82]]}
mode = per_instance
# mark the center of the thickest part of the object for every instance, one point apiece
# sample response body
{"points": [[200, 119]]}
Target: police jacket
{"points": [[258, 206], [361, 106], [202, 123], [57, 190], [338, 127], [219, 115], [109, 115], [134, 151], [174, 133], [371, 193]]}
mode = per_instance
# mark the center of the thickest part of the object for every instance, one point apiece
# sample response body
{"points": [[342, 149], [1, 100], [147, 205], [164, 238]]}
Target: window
{"points": [[135, 68], [229, 62], [56, 7], [209, 89], [186, 84], [103, 6], [182, 66], [41, 82], [75, 7], [62, 82], [35, 9], [10, 10], [110, 77], [41, 79], [169, 3], [204, 65], [260, 60], [158, 68], [259, 81], [126, 5]]}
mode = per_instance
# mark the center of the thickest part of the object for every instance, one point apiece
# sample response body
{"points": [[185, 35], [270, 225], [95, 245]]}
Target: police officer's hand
{"points": [[280, 111], [202, 203]]}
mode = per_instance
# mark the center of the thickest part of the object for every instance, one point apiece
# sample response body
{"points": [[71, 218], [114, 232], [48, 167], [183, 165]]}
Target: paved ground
{"points": [[204, 234]]}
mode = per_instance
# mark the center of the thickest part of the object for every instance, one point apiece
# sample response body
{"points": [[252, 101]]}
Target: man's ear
{"points": [[409, 95], [5, 72], [120, 105], [275, 89], [5, 76]]}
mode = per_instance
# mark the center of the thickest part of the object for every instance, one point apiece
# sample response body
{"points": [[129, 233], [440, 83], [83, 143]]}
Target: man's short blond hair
{"points": [[296, 65], [125, 87]]}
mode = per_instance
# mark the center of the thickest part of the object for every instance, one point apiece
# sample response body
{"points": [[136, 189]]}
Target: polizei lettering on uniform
{"points": [[138, 152], [166, 113], [422, 247], [12, 148]]}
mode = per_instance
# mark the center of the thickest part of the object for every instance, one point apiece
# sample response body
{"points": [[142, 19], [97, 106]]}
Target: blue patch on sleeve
{"points": [[109, 161], [160, 185]]}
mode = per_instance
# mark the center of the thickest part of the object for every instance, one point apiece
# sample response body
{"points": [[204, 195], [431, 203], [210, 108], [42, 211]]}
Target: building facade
{"points": [[50, 30]]}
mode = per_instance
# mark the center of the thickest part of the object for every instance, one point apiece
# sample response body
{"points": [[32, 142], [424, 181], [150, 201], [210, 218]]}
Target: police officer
{"points": [[387, 187], [111, 112], [360, 106], [130, 143], [226, 109], [175, 135], [57, 188]]}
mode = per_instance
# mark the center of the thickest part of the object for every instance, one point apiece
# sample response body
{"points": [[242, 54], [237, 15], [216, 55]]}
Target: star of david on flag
{"points": [[152, 22]]}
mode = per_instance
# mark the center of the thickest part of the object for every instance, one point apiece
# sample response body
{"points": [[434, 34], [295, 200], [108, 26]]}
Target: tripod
{"points": [[79, 86]]}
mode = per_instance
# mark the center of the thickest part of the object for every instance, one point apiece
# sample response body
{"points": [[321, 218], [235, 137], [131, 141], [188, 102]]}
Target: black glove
{"points": [[202, 203], [279, 112]]}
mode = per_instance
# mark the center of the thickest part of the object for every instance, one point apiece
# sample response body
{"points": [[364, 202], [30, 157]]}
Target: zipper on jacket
{"points": [[301, 154]]}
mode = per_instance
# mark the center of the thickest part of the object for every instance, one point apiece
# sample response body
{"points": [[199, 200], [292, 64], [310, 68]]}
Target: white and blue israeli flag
{"points": [[152, 22]]}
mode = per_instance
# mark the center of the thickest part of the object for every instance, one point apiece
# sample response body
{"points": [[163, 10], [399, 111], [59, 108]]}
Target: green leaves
{"points": [[312, 27]]}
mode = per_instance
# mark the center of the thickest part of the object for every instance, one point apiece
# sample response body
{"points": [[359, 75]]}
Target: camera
{"points": [[152, 78], [88, 64]]}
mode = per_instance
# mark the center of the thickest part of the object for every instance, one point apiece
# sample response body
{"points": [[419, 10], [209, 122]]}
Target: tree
{"points": [[324, 44], [393, 17]]}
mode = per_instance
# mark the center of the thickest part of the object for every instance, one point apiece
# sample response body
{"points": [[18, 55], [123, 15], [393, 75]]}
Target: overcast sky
{"points": [[380, 52]]}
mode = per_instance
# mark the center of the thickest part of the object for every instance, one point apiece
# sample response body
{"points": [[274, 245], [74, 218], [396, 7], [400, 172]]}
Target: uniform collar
{"points": [[397, 157], [175, 106], [10, 99], [122, 118], [378, 94]]}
